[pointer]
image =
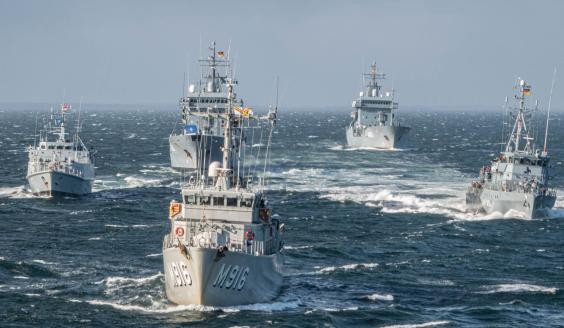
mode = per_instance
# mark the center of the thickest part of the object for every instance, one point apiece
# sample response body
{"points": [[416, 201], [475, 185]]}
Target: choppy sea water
{"points": [[373, 239]]}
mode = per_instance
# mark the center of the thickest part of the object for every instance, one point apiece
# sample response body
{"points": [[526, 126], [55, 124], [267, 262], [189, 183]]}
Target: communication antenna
{"points": [[35, 132], [272, 116], [548, 112]]}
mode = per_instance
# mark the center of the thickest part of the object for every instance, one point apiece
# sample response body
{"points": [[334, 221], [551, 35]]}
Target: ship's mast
{"points": [[62, 126], [224, 181], [372, 85], [520, 127]]}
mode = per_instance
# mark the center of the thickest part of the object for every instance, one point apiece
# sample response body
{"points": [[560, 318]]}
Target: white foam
{"points": [[136, 182], [296, 247], [347, 267], [519, 288], [116, 226], [115, 281], [154, 255], [420, 325], [157, 307], [380, 297], [138, 308], [17, 192], [43, 262]]}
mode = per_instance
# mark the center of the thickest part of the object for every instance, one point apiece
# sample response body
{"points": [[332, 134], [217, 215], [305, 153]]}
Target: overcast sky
{"points": [[435, 53]]}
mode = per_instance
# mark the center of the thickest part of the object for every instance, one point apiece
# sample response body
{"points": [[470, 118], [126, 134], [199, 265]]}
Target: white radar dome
{"points": [[214, 169]]}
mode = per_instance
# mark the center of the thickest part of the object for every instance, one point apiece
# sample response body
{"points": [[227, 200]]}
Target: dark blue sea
{"points": [[373, 238]]}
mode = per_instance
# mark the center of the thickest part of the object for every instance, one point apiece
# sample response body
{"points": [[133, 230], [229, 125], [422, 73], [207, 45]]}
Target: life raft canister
{"points": [[174, 209], [179, 231], [249, 235]]}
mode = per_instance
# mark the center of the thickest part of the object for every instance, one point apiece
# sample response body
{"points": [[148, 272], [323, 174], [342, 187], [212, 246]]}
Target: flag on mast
{"points": [[66, 107]]}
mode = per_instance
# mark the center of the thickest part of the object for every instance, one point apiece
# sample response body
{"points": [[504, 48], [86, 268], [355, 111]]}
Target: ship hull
{"points": [[529, 205], [58, 183], [200, 276], [186, 151], [384, 137]]}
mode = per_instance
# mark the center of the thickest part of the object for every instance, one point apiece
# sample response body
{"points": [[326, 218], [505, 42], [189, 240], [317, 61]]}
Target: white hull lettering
{"points": [[179, 274], [232, 277], [221, 276], [243, 278]]}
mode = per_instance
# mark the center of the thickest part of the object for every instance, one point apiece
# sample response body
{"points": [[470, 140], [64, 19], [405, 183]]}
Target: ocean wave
{"points": [[136, 182], [158, 307], [297, 247], [17, 192], [379, 297], [518, 289], [154, 255], [117, 281], [43, 262], [420, 325], [137, 226], [347, 267]]}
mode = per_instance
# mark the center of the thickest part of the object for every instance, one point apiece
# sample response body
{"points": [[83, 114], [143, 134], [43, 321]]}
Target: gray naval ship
{"points": [[224, 246], [60, 163], [517, 179], [198, 143], [374, 123]]}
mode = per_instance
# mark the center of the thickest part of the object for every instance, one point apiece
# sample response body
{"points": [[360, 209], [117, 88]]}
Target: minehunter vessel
{"points": [[224, 247], [517, 179], [198, 143], [374, 123], [60, 163]]}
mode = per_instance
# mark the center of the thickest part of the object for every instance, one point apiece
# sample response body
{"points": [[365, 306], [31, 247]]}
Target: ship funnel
{"points": [[361, 93], [374, 92], [191, 88], [213, 171], [209, 88]]}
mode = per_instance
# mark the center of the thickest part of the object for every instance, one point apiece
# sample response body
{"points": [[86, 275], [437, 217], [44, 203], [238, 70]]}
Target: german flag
{"points": [[221, 54], [527, 90]]}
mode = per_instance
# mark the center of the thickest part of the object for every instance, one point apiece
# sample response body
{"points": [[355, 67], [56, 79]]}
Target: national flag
{"points": [[66, 107], [244, 111], [221, 54], [527, 91]]}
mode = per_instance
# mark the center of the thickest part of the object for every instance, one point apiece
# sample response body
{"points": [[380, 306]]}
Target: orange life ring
{"points": [[179, 231]]}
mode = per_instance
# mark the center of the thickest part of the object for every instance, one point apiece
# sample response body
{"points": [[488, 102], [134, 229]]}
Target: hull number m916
{"points": [[231, 277]]}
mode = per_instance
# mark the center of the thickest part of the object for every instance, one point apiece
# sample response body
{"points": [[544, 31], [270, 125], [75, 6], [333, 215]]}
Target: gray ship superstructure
{"points": [[224, 246], [374, 123], [60, 163], [198, 143], [517, 179]]}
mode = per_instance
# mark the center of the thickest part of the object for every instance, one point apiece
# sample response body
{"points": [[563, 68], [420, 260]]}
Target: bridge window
{"points": [[205, 200], [51, 147], [59, 147], [190, 199], [232, 202], [219, 201], [247, 203]]}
